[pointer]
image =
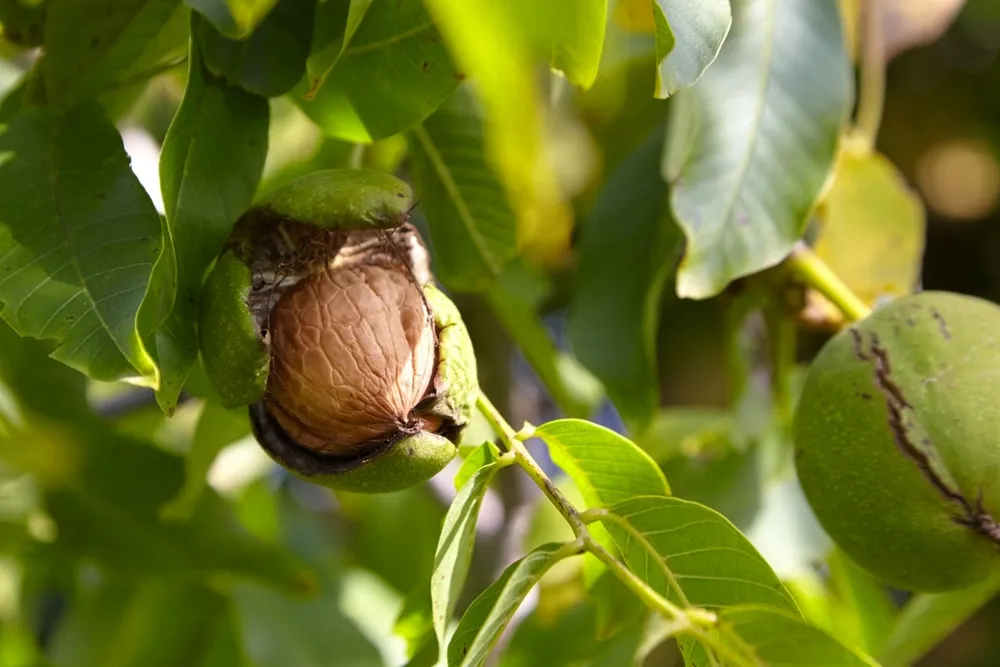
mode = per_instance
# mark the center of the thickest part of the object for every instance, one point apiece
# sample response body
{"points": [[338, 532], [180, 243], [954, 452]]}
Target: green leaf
{"points": [[234, 18], [90, 44], [753, 141], [211, 163], [871, 232], [473, 228], [868, 610], [393, 73], [513, 300], [488, 615], [454, 550], [156, 623], [490, 44], [78, 242], [480, 457], [688, 38], [607, 468], [776, 637], [628, 249], [713, 564], [217, 427], [281, 631], [334, 27], [568, 32], [23, 23], [254, 63], [930, 617]]}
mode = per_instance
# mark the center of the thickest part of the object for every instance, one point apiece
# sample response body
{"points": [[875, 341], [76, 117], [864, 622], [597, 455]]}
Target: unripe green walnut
{"points": [[897, 441], [321, 314]]}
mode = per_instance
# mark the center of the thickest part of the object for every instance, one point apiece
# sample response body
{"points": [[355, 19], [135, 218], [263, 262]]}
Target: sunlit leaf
{"points": [[472, 226], [753, 141], [481, 456], [454, 550], [168, 623], [211, 162], [90, 44], [871, 229], [927, 618], [606, 467], [867, 605], [712, 563], [627, 250], [777, 637], [487, 617], [569, 32], [392, 74], [571, 386], [688, 38], [252, 63], [79, 239], [489, 44], [234, 18]]}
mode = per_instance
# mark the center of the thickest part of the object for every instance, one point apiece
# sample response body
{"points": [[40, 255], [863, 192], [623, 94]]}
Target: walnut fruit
{"points": [[897, 441], [321, 315]]}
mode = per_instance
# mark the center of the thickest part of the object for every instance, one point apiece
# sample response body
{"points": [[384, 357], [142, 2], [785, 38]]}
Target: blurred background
{"points": [[941, 128]]}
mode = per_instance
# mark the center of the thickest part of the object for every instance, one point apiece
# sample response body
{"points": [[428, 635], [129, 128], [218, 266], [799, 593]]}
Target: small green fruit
{"points": [[897, 441], [322, 315]]}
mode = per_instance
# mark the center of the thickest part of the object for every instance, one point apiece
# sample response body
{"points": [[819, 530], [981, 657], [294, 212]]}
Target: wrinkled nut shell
{"points": [[353, 352]]}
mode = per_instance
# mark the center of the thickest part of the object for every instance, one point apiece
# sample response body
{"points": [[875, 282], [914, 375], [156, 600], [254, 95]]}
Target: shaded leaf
{"points": [[606, 467], [575, 391], [334, 27], [454, 550], [753, 141], [392, 74], [156, 623], [776, 637], [713, 564], [234, 18], [473, 228], [871, 231], [78, 242], [251, 63], [627, 251], [476, 32], [927, 618], [488, 615], [90, 44], [211, 163], [688, 38], [217, 427]]}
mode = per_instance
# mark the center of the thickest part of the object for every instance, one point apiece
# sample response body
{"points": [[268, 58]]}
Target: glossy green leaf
{"points": [[688, 38], [90, 44], [217, 427], [571, 386], [628, 249], [476, 31], [282, 631], [488, 615], [211, 163], [392, 74], [927, 618], [607, 467], [156, 623], [454, 550], [753, 141], [479, 457], [234, 18], [713, 564], [78, 242], [473, 228], [251, 63], [776, 637]]}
